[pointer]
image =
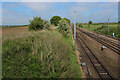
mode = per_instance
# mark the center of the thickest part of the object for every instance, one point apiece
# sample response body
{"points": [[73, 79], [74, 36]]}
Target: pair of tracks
{"points": [[100, 69], [108, 36], [111, 45]]}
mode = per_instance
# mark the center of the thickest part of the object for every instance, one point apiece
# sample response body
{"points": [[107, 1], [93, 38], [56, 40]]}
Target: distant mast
{"points": [[108, 25]]}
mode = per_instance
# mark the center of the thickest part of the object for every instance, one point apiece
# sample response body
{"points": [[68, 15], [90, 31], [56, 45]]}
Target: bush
{"points": [[64, 27], [67, 20], [79, 25], [55, 20], [46, 25], [36, 24]]}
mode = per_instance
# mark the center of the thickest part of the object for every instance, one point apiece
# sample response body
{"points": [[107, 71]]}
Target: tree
{"points": [[55, 20], [64, 27], [67, 20], [89, 23], [36, 23]]}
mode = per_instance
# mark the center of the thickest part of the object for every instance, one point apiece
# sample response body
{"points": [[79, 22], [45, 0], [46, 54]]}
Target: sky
{"points": [[19, 13]]}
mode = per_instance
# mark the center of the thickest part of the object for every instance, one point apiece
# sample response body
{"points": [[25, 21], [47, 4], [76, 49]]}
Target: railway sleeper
{"points": [[103, 73], [100, 69], [97, 65]]}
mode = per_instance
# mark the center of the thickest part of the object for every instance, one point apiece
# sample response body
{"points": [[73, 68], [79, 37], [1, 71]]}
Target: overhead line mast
{"points": [[75, 28]]}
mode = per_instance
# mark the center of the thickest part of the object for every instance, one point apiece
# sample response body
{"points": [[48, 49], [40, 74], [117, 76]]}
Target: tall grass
{"points": [[44, 54]]}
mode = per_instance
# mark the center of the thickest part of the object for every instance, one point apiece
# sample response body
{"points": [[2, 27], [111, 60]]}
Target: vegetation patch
{"points": [[103, 28], [64, 28], [38, 23], [55, 20], [42, 55]]}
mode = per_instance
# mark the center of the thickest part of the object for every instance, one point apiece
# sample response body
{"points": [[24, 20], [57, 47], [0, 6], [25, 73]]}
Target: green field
{"points": [[102, 28], [39, 54]]}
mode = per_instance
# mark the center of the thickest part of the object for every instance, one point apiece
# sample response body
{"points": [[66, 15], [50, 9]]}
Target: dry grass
{"points": [[14, 30], [18, 32]]}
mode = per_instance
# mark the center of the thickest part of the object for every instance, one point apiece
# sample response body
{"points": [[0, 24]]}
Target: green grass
{"points": [[102, 28], [44, 54]]}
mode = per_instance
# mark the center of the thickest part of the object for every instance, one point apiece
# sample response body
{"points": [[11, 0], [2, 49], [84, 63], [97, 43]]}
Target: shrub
{"points": [[79, 25], [36, 24], [55, 20], [46, 25], [64, 27], [67, 20]]}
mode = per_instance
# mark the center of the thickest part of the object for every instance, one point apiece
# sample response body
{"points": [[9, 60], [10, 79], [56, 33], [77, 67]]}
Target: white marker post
{"points": [[75, 28], [113, 34]]}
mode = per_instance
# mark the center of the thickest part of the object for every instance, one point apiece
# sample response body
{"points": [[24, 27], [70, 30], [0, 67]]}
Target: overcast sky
{"points": [[21, 12]]}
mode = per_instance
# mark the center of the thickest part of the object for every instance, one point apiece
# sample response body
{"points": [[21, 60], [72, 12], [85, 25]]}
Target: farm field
{"points": [[14, 30], [40, 54], [102, 28]]}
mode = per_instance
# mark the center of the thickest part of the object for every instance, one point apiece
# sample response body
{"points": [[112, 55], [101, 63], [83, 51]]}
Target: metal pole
{"points": [[108, 25], [71, 26], [75, 28]]}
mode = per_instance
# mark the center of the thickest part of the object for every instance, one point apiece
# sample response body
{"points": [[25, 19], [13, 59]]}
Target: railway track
{"points": [[111, 45], [100, 69], [106, 40], [108, 36], [109, 41]]}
